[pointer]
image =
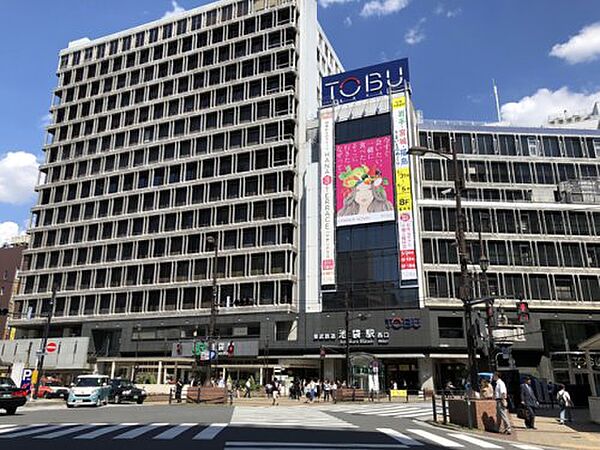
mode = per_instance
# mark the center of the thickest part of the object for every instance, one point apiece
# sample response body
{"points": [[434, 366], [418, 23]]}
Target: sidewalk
{"points": [[581, 434]]}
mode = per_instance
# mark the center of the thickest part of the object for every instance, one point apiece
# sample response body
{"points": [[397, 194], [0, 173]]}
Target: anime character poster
{"points": [[364, 181]]}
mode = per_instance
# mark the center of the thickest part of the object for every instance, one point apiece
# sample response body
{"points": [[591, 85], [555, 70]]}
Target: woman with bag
{"points": [[565, 404]]}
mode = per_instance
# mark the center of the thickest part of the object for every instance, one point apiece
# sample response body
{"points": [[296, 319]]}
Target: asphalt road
{"points": [[302, 427]]}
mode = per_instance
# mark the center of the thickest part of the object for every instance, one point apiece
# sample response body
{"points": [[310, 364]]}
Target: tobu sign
{"points": [[367, 82]]}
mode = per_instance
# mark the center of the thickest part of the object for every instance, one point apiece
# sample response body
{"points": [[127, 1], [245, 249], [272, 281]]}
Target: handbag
{"points": [[522, 412]]}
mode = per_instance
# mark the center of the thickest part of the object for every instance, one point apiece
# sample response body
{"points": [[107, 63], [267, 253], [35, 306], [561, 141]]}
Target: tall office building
{"points": [[166, 139]]}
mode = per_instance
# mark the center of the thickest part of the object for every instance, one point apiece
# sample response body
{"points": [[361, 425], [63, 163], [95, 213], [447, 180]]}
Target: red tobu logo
{"points": [[327, 180]]}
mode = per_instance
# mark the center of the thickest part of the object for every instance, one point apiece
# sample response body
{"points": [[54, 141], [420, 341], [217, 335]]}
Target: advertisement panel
{"points": [[367, 82], [364, 178], [404, 204], [327, 198]]}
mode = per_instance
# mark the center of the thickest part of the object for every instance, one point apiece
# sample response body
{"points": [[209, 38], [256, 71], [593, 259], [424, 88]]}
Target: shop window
{"points": [[451, 328]]}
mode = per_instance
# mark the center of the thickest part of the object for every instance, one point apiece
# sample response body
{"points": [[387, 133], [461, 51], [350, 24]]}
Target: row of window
{"points": [[509, 172], [570, 223], [279, 208], [202, 97], [517, 253], [266, 134], [164, 300], [182, 271], [198, 123], [530, 286], [268, 235], [281, 181], [513, 145], [181, 27], [489, 195], [220, 73]]}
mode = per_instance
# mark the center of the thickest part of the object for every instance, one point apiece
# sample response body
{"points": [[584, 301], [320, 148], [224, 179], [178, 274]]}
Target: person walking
{"points": [[565, 404], [530, 401], [487, 391], [275, 386], [326, 390], [248, 386], [178, 390], [551, 388], [501, 396], [334, 388]]}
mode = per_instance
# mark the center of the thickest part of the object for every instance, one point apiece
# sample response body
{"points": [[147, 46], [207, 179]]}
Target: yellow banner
{"points": [[403, 191], [399, 102], [398, 393]]}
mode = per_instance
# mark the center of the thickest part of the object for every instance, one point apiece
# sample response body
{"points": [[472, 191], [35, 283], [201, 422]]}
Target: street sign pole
{"points": [[40, 365]]}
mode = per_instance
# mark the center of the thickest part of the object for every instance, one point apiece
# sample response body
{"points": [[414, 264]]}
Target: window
{"points": [[451, 328], [437, 283]]}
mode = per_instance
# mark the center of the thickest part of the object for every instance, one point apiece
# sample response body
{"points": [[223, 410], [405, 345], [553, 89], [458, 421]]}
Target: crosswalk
{"points": [[287, 417], [411, 411], [413, 437], [119, 431]]}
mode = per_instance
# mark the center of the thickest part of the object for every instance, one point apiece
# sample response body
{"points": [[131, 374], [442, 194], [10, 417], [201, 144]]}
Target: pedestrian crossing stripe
{"points": [[390, 410], [286, 417], [409, 438]]}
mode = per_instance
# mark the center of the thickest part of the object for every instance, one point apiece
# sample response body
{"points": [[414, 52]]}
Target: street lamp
{"points": [[214, 241], [464, 290]]}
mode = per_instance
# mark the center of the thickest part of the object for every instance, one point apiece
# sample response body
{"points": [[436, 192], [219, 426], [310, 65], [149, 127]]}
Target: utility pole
{"points": [[464, 290], [484, 284], [42, 355], [348, 368], [213, 305]]}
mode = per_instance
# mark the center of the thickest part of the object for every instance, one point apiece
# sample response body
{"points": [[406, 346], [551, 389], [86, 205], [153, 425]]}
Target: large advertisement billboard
{"points": [[364, 179], [404, 204], [367, 82], [327, 198]]}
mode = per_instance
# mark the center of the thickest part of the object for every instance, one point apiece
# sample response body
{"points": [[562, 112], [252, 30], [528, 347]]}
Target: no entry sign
{"points": [[51, 347]]}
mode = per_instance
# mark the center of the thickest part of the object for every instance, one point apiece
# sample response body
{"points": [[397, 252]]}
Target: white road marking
{"points": [[8, 430], [400, 437], [210, 431], [103, 431], [7, 425], [37, 430], [137, 432], [435, 438], [288, 445], [175, 431], [61, 433], [474, 440], [526, 447]]}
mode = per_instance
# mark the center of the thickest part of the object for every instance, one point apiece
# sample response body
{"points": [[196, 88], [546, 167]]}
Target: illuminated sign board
{"points": [[367, 82], [327, 198]]}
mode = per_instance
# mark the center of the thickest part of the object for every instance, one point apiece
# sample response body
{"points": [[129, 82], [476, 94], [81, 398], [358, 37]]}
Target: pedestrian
{"points": [[178, 389], [501, 396], [326, 390], [565, 404], [487, 392], [248, 386], [334, 387], [275, 391], [551, 393], [449, 389], [230, 390], [529, 400]]}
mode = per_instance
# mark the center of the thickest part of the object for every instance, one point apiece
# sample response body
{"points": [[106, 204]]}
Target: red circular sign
{"points": [[51, 347]]}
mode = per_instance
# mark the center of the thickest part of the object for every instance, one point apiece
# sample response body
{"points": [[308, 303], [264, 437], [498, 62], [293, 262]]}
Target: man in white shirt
{"points": [[501, 396]]}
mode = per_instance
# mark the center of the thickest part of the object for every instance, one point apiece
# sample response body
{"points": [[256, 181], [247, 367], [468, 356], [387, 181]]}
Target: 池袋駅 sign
{"points": [[367, 82], [357, 336]]}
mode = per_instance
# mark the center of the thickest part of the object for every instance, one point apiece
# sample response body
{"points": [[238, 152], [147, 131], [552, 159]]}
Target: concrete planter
{"points": [[202, 394], [594, 409], [350, 395], [483, 413]]}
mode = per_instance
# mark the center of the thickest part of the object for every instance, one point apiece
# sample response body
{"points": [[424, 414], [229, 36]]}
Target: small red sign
{"points": [[51, 347]]}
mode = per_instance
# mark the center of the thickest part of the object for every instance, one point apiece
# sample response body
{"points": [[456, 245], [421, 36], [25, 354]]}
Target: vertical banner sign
{"points": [[327, 198], [404, 204]]}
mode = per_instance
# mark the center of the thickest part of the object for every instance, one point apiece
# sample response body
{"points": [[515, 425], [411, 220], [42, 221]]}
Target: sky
{"points": [[543, 54]]}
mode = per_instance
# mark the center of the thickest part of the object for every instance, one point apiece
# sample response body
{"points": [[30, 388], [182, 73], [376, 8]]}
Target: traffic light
{"points": [[522, 311], [4, 312], [178, 349], [230, 348]]}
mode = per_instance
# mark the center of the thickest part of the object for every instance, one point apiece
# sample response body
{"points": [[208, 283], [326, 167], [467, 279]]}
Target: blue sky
{"points": [[544, 54]]}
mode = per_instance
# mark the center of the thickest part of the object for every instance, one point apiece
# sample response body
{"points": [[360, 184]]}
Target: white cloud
{"points": [[583, 47], [348, 21], [9, 230], [326, 3], [383, 7], [176, 10], [534, 110], [18, 176], [440, 10], [415, 34]]}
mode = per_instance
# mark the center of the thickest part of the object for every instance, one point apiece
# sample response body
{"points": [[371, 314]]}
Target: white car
{"points": [[90, 390]]}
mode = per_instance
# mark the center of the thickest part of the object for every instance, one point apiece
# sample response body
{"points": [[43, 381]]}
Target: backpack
{"points": [[561, 400]]}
